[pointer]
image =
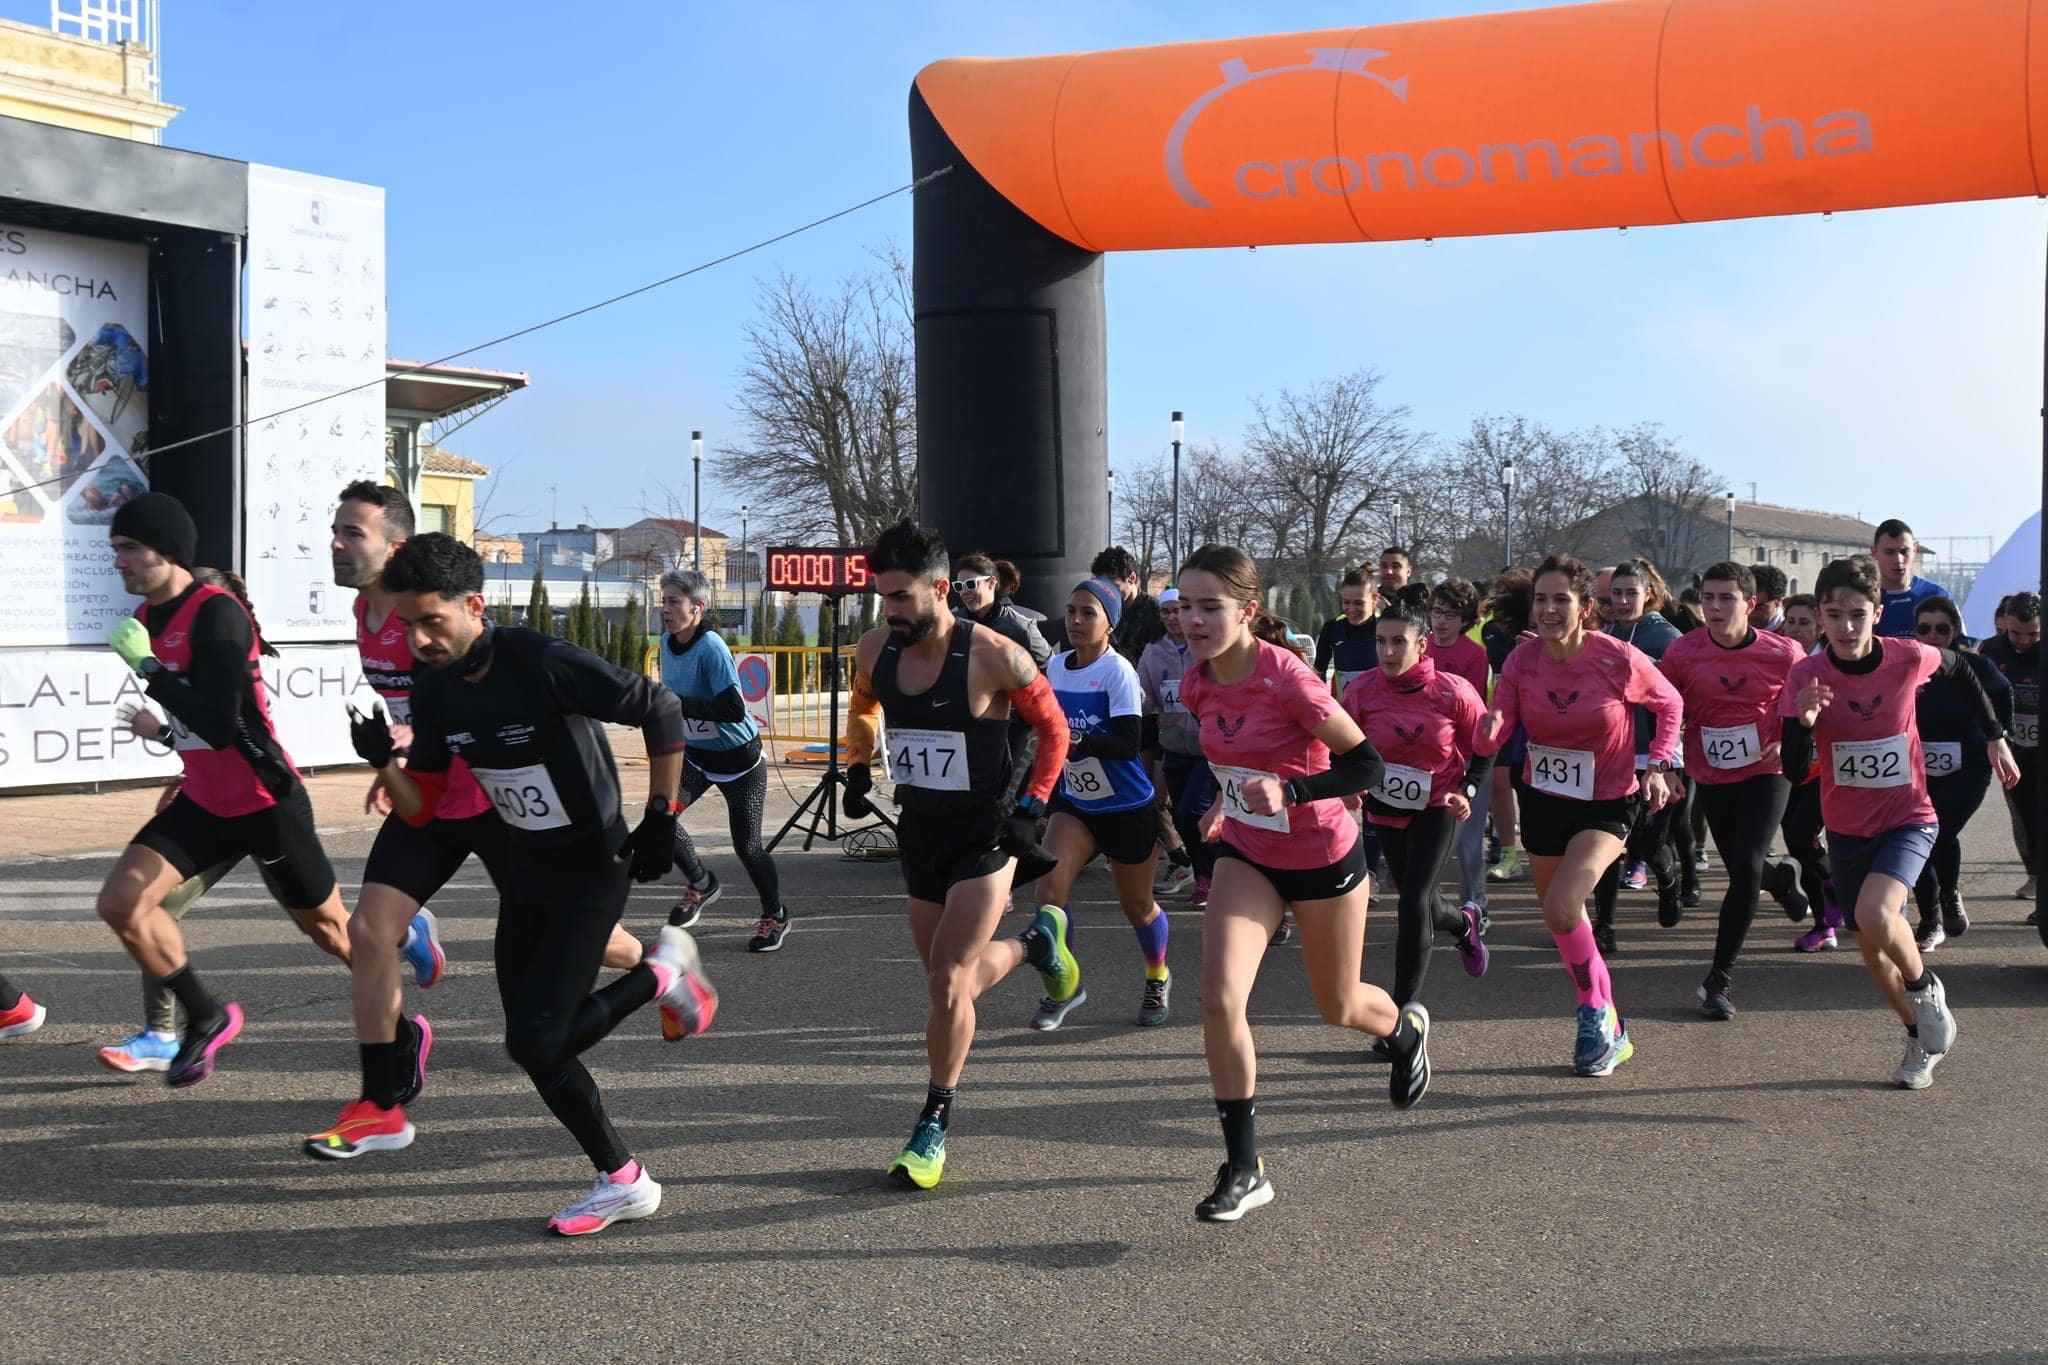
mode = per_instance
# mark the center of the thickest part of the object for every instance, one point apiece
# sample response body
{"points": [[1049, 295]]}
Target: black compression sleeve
{"points": [[1795, 749], [207, 699], [1326, 648], [1355, 770], [1955, 670], [1122, 740], [1477, 771], [1148, 739], [728, 706], [584, 685]]}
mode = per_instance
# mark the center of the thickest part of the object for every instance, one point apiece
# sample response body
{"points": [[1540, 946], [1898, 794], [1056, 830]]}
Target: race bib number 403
{"points": [[525, 798], [935, 760], [1870, 762], [1561, 772], [1231, 780]]}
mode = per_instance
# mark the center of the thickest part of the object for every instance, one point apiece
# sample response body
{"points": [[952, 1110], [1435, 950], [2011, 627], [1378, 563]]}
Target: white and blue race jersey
{"points": [[1092, 697], [701, 672]]}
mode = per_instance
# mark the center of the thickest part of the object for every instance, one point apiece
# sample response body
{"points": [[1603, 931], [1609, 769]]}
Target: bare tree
{"points": [[1320, 460], [488, 514], [1562, 480], [826, 402], [1144, 512], [1667, 499]]}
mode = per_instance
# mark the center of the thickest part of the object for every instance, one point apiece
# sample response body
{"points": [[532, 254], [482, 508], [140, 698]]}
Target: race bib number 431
{"points": [[1561, 772], [935, 760], [1231, 780]]}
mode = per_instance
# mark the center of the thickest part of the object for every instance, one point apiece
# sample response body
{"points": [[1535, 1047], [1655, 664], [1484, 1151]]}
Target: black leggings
{"points": [[1801, 827], [1684, 840], [1650, 841], [745, 799], [1416, 855], [1191, 787], [1743, 817], [2019, 801], [1956, 798], [554, 919]]}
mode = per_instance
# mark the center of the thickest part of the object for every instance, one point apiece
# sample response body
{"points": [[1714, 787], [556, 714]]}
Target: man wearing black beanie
{"points": [[195, 648]]}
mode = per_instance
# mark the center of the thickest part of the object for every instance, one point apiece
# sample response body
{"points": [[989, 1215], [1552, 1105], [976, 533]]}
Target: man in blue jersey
{"points": [[1895, 551]]}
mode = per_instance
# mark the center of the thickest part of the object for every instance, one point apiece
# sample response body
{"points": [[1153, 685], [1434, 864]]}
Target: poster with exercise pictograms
{"points": [[316, 327], [74, 420]]}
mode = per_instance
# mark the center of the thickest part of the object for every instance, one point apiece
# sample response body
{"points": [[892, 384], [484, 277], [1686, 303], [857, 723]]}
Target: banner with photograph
{"points": [[74, 415], [316, 330], [60, 714]]}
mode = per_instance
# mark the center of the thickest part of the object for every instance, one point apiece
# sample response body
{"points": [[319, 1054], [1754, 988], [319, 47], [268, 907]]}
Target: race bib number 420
{"points": [[1403, 787], [1561, 772], [935, 760], [1870, 762], [525, 798], [1231, 780]]}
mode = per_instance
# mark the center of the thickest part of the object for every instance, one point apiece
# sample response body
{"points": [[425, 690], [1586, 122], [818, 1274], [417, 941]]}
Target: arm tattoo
{"points": [[1022, 670]]}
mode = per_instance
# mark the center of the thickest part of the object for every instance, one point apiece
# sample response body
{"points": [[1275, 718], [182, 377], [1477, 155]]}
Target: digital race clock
{"points": [[832, 570]]}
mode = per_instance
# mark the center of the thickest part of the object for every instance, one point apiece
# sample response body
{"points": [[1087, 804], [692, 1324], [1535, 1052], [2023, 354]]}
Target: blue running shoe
{"points": [[1603, 1043], [144, 1051], [423, 949]]}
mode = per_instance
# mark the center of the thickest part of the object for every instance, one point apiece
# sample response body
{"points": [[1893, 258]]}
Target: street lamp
{"points": [[1395, 508], [1179, 429], [1112, 507], [746, 568], [1507, 514], [697, 498], [1731, 526]]}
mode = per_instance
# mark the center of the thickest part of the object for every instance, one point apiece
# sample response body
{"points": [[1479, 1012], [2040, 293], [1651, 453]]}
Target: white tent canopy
{"points": [[2014, 567]]}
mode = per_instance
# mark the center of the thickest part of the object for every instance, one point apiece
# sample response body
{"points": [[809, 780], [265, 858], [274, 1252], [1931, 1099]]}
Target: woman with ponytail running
{"points": [[1285, 755]]}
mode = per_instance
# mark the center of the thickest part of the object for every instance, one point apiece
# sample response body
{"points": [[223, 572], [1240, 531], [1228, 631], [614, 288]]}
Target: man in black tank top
{"points": [[945, 688]]}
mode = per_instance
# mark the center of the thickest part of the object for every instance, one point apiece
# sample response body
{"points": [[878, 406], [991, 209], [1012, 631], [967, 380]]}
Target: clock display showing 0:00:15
{"points": [[828, 569]]}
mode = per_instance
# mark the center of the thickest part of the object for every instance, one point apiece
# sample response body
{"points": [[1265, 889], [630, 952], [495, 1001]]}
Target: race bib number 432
{"points": [[1870, 762], [935, 760], [525, 798]]}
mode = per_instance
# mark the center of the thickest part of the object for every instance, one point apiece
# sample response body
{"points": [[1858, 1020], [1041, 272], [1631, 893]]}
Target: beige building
{"points": [[91, 84], [653, 545], [1682, 541], [500, 549]]}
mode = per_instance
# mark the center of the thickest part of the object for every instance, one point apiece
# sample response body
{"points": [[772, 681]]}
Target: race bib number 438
{"points": [[1087, 781], [525, 798], [935, 760]]}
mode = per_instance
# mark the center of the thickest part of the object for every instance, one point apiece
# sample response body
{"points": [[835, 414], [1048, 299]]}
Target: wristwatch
{"points": [[1660, 765], [664, 805]]}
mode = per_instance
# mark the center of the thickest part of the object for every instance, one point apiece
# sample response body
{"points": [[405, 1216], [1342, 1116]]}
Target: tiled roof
{"points": [[1800, 523], [441, 461]]}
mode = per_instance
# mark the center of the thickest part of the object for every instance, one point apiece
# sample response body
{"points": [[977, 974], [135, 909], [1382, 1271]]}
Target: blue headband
{"points": [[1108, 594]]}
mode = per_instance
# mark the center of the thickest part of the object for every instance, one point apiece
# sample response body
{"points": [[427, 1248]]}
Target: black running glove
{"points": [[651, 848], [371, 736], [859, 782], [1020, 840]]}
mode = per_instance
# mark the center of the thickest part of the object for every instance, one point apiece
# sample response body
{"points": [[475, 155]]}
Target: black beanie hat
{"points": [[161, 522]]}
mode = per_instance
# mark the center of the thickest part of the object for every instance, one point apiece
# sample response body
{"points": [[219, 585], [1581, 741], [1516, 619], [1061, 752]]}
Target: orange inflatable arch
{"points": [[1617, 114]]}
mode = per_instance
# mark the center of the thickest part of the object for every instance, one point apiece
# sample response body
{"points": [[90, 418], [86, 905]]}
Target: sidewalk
{"points": [[72, 824]]}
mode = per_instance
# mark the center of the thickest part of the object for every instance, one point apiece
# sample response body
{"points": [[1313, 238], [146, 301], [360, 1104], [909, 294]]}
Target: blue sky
{"points": [[1881, 363]]}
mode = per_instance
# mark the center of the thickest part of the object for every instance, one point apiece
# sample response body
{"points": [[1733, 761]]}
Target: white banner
{"points": [[58, 714], [74, 404], [316, 328]]}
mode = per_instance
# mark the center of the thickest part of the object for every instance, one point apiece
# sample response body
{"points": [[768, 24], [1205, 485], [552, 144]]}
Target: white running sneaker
{"points": [[1171, 877], [1931, 1016], [689, 1003], [1916, 1071], [607, 1203]]}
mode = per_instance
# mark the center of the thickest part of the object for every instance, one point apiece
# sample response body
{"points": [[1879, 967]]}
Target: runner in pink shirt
{"points": [[1571, 689], [1854, 702], [1285, 754], [1730, 675], [1454, 610], [1422, 720]]}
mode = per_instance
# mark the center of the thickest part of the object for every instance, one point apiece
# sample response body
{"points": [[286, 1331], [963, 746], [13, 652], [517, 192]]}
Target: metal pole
{"points": [[2040, 811], [1507, 514], [1175, 552], [746, 571], [1731, 526], [1111, 484], [697, 498]]}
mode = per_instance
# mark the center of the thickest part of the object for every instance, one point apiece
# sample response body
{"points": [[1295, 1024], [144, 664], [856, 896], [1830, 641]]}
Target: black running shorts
{"points": [[281, 839], [1298, 884], [419, 860], [1549, 821], [942, 850], [1122, 836]]}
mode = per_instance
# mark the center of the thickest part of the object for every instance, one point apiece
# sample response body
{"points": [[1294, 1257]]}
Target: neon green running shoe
{"points": [[923, 1161], [1046, 945]]}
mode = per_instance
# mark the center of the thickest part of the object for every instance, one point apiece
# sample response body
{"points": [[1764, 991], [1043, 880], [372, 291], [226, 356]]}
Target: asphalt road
{"points": [[1742, 1191]]}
